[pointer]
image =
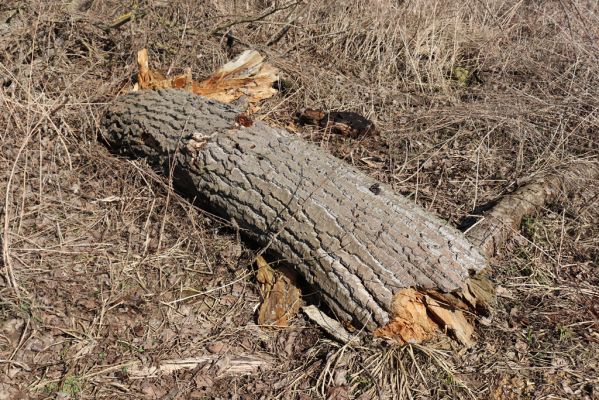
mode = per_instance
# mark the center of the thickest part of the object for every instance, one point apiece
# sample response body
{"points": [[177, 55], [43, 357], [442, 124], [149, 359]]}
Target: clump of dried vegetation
{"points": [[472, 99]]}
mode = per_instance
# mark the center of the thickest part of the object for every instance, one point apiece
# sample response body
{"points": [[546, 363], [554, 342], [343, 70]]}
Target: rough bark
{"points": [[359, 247]]}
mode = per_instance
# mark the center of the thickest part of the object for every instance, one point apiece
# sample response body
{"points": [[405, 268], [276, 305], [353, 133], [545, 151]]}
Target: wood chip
{"points": [[331, 326], [282, 298], [236, 365]]}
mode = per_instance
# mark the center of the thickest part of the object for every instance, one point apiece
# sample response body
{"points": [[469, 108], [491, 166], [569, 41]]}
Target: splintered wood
{"points": [[217, 364], [418, 317], [246, 76], [410, 322], [281, 296]]}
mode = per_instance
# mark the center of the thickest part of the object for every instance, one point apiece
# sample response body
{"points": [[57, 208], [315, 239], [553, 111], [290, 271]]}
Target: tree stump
{"points": [[353, 239]]}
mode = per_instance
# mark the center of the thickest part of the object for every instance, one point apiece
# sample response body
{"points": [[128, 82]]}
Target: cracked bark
{"points": [[357, 247]]}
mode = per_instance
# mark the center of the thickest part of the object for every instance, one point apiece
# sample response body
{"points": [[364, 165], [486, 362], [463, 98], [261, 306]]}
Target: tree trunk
{"points": [[350, 237]]}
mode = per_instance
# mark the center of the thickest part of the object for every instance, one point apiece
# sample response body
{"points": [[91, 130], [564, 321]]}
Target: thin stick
{"points": [[283, 31], [252, 19]]}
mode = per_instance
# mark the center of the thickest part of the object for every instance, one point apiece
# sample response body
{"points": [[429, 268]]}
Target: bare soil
{"points": [[471, 99]]}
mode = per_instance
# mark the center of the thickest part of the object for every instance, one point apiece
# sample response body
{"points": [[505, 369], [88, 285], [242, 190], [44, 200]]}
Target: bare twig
{"points": [[283, 31], [254, 18]]}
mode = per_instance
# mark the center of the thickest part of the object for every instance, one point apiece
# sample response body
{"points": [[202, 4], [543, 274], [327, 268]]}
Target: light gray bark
{"points": [[357, 246], [497, 225]]}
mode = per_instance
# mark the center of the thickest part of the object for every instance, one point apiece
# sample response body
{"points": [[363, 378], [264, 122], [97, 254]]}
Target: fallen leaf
{"points": [[218, 347], [461, 74], [338, 393], [203, 382]]}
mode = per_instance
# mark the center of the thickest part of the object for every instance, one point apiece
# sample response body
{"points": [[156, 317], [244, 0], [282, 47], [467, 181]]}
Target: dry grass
{"points": [[472, 99]]}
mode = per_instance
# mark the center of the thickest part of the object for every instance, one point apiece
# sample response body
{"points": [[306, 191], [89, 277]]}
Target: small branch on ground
{"points": [[253, 18], [283, 31]]}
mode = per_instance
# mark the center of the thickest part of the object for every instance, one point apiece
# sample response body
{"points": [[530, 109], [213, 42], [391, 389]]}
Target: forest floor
{"points": [[472, 99]]}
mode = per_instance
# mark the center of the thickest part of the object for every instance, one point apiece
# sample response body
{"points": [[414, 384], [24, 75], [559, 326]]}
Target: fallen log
{"points": [[496, 226], [500, 223], [361, 248]]}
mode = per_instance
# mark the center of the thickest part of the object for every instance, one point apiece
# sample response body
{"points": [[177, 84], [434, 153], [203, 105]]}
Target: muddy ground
{"points": [[472, 100]]}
